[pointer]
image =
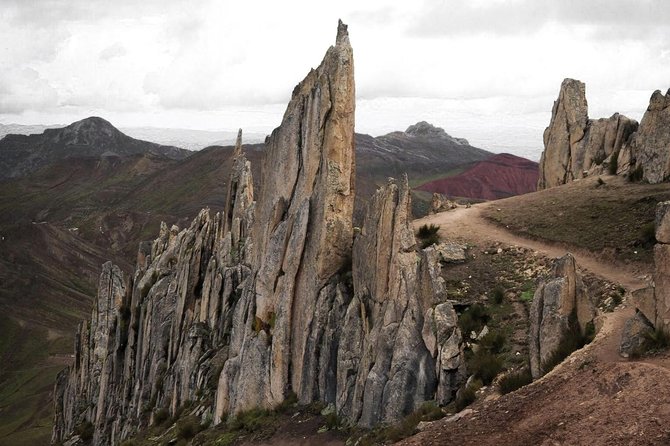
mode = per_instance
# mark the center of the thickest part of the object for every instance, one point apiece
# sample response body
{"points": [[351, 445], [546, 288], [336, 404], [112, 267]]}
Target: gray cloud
{"points": [[615, 19], [113, 51]]}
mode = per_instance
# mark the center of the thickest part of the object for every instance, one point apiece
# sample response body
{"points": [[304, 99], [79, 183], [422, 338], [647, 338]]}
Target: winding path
{"points": [[470, 224]]}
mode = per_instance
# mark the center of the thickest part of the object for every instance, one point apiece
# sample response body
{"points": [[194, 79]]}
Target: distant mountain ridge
{"points": [[92, 137], [423, 148]]}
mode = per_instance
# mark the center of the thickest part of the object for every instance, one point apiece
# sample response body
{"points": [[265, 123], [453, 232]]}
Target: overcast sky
{"points": [[486, 70]]}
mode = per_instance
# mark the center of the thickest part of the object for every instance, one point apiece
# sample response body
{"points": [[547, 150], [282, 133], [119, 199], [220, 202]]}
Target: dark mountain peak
{"points": [[424, 128], [427, 130], [92, 137]]}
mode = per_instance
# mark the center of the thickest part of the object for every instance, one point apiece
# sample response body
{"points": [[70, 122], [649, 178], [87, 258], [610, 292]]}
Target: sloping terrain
{"points": [[594, 397], [608, 216], [499, 176]]}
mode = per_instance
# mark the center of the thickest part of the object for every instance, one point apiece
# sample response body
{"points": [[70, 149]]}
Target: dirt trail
{"points": [[469, 224], [594, 397]]}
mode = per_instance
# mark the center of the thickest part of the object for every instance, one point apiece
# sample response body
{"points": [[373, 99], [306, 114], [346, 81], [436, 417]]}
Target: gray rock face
{"points": [[653, 302], [576, 146], [559, 306], [273, 297], [411, 347], [651, 144], [633, 334]]}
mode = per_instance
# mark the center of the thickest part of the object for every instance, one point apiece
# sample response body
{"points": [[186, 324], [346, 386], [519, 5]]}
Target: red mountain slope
{"points": [[499, 176]]}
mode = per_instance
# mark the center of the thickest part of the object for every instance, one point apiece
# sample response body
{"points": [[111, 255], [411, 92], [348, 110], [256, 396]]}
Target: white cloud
{"points": [[224, 63]]}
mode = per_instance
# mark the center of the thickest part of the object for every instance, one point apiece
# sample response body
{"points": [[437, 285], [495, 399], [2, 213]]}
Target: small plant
{"points": [[655, 341], [527, 296], [515, 380], [473, 319], [161, 416], [188, 427], [636, 174], [428, 235], [426, 231], [493, 342], [85, 431], [485, 365], [498, 295], [647, 235], [600, 182], [467, 395]]}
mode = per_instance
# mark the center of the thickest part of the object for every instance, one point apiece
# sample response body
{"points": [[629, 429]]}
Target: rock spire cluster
{"points": [[275, 296]]}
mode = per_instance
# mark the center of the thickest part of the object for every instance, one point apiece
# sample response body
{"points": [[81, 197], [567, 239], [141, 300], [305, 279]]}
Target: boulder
{"points": [[449, 252], [634, 334], [560, 308]]}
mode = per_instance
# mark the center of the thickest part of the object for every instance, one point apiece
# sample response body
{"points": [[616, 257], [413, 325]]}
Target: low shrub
{"points": [[571, 341], [485, 365], [85, 431], [656, 340], [161, 416], [428, 235], [498, 295], [493, 342], [251, 420], [636, 174], [473, 319], [188, 427], [467, 395], [515, 380]]}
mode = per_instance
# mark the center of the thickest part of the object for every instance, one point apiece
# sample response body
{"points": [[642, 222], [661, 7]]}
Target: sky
{"points": [[486, 70]]}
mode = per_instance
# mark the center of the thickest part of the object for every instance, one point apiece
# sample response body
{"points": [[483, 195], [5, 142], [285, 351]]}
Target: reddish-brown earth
{"points": [[593, 398], [499, 176]]}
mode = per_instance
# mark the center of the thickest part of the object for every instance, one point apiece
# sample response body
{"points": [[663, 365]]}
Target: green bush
{"points": [[485, 365], [426, 231], [161, 416], [429, 411], [636, 175], [251, 420], [515, 380], [428, 235], [493, 342], [473, 319], [188, 427], [498, 295], [467, 395], [655, 341]]}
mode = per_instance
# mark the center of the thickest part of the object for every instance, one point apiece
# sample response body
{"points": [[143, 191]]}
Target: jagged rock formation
{"points": [[653, 302], [274, 296], [560, 306], [576, 146], [650, 147], [440, 203]]}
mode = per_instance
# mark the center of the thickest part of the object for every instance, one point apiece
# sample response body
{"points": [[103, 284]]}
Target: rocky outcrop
{"points": [[274, 297], [653, 302], [576, 146], [407, 343], [560, 308], [634, 334], [650, 146], [440, 203]]}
